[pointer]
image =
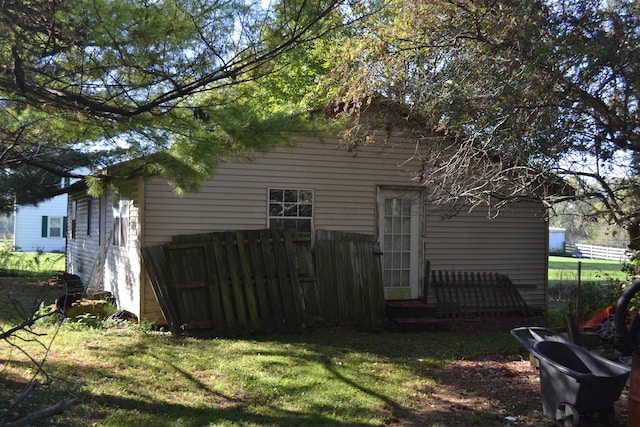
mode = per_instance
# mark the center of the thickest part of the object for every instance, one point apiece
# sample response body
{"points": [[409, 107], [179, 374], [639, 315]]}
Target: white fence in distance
{"points": [[601, 252]]}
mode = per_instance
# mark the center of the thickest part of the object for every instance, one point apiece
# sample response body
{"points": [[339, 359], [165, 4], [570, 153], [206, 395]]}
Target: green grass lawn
{"points": [[563, 269], [31, 264], [326, 377]]}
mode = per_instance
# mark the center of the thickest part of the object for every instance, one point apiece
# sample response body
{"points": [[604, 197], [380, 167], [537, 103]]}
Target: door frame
{"points": [[414, 290]]}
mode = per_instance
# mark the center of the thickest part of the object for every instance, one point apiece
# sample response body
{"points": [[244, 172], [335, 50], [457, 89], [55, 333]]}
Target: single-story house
{"points": [[319, 184], [41, 227]]}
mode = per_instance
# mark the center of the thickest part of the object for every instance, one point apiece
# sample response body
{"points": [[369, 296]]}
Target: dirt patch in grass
{"points": [[490, 389], [21, 296]]}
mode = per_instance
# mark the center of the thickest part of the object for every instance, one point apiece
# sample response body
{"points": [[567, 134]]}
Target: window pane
{"points": [[290, 223], [397, 242], [290, 209], [55, 227], [397, 278], [276, 195], [275, 223], [387, 276], [397, 258], [290, 195], [305, 210], [388, 245], [406, 207], [305, 196], [406, 243], [406, 260], [406, 225], [387, 224], [396, 208], [304, 226], [397, 225], [404, 278], [275, 209]]}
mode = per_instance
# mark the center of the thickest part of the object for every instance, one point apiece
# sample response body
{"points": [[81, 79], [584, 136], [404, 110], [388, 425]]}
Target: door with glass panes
{"points": [[399, 235]]}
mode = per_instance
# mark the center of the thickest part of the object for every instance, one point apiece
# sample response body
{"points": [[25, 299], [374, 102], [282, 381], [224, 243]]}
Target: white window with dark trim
{"points": [[291, 208], [54, 226], [121, 222]]}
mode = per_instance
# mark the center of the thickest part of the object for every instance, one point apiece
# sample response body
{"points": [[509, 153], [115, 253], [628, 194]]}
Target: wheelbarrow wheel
{"points": [[611, 416], [567, 415]]}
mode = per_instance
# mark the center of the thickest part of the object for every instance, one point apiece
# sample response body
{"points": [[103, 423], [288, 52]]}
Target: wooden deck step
{"points": [[422, 324], [415, 316]]}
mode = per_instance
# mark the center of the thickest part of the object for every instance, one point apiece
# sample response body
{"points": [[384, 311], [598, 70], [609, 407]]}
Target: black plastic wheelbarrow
{"points": [[573, 381]]}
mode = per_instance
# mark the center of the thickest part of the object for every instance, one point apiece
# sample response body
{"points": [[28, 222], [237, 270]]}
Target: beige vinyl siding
{"points": [[513, 243], [345, 189], [344, 186]]}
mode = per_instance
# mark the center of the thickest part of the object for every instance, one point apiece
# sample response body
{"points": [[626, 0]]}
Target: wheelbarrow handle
{"points": [[537, 334]]}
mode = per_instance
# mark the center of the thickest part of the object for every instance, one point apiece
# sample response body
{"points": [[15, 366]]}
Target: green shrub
{"points": [[593, 295]]}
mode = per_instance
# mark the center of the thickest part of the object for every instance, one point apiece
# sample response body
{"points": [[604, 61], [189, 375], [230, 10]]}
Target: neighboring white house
{"points": [[42, 227]]}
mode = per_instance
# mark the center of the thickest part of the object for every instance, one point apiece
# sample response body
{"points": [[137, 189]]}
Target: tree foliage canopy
{"points": [[89, 83], [526, 90]]}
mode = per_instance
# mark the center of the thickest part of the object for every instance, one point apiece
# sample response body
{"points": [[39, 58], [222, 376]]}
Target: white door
{"points": [[399, 233]]}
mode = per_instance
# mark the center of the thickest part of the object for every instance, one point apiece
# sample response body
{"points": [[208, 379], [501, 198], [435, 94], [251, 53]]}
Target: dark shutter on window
{"points": [[64, 227], [45, 226]]}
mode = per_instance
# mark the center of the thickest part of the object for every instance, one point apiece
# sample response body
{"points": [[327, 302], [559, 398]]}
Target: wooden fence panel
{"points": [[349, 278], [231, 283], [295, 289], [272, 279], [265, 309], [223, 283], [156, 261], [191, 279], [307, 279]]}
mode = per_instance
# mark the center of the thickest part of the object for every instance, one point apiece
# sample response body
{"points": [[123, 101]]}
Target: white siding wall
{"points": [[121, 272], [28, 226], [83, 246], [122, 267]]}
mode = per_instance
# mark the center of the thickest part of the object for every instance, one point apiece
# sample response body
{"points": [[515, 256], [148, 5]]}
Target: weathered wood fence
{"points": [[463, 294], [350, 277], [238, 282]]}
